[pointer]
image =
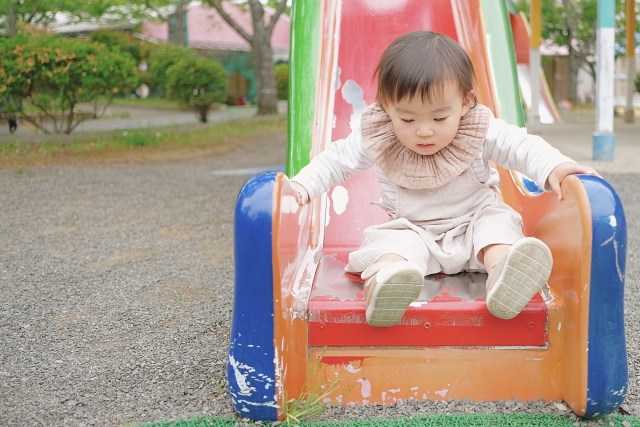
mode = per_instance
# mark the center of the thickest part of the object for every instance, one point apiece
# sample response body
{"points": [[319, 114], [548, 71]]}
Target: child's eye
{"points": [[407, 120], [440, 119]]}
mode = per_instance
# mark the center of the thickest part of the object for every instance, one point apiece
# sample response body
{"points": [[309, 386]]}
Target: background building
{"points": [[208, 33]]}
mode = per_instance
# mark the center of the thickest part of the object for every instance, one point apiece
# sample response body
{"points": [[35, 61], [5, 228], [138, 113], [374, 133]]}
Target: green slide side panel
{"points": [[303, 69], [502, 58]]}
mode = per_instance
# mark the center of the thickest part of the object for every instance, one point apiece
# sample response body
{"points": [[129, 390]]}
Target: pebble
{"points": [[124, 276]]}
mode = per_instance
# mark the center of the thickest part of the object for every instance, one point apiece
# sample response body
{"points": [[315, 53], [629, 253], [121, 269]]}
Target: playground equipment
{"points": [[299, 319], [521, 34]]}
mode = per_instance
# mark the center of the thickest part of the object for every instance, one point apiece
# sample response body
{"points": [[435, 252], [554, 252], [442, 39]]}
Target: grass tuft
{"points": [[310, 403]]}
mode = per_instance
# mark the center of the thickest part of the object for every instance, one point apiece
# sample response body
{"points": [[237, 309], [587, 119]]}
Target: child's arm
{"points": [[333, 166], [513, 148]]}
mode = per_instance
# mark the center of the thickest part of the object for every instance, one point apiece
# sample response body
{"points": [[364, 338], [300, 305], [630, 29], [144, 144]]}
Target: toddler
{"points": [[431, 144]]}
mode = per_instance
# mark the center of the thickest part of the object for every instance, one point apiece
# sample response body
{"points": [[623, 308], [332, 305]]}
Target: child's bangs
{"points": [[427, 81], [423, 63]]}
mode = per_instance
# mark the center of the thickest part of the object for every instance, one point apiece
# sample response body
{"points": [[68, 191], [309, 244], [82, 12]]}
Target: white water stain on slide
{"points": [[340, 199], [366, 387]]}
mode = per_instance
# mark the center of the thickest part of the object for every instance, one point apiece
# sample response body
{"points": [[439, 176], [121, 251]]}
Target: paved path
{"points": [[574, 138]]}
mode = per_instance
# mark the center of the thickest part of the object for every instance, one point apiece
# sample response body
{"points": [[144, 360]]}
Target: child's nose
{"points": [[424, 131]]}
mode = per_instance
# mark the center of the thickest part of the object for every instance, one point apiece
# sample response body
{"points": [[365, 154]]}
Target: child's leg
{"points": [[391, 285], [520, 272], [492, 254]]}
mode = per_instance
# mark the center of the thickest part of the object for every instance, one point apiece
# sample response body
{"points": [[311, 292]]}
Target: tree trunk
{"points": [[179, 14], [202, 111], [575, 61], [265, 78], [12, 20], [261, 52], [262, 58]]}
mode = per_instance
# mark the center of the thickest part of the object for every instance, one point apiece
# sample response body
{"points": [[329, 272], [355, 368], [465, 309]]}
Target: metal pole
{"points": [[604, 140], [535, 11], [630, 57]]}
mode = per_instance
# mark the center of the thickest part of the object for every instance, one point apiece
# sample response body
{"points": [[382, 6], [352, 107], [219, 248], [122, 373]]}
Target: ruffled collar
{"points": [[409, 169]]}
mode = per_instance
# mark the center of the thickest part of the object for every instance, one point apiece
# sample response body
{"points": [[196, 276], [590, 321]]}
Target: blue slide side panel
{"points": [[530, 185], [607, 360], [250, 368]]}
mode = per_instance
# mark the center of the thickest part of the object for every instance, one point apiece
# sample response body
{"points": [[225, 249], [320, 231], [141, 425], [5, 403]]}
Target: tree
{"points": [[282, 80], [51, 76], [572, 24], [162, 57], [197, 82], [569, 23], [45, 12], [30, 12], [261, 52], [121, 40]]}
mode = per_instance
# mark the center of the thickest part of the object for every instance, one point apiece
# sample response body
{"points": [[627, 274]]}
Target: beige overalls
{"points": [[443, 227], [441, 230]]}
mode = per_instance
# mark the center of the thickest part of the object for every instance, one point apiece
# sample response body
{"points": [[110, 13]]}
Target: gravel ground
{"points": [[116, 287]]}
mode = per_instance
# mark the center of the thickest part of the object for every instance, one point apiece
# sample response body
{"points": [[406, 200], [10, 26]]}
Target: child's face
{"points": [[427, 127]]}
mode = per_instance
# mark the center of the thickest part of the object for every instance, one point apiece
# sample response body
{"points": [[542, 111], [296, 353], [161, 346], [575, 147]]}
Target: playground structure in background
{"points": [[521, 36], [298, 319]]}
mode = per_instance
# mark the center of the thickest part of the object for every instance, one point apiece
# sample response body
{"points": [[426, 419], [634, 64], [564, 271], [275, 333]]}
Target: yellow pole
{"points": [[536, 23], [533, 118], [630, 57]]}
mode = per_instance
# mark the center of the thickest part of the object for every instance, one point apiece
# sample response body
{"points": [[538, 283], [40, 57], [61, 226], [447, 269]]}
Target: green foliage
{"points": [[197, 82], [637, 82], [140, 138], [569, 23], [161, 58], [572, 23], [43, 12], [54, 74], [118, 39], [282, 80], [578, 21], [274, 4], [560, 25]]}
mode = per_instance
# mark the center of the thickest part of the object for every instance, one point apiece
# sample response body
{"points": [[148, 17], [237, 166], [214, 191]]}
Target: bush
{"points": [[119, 40], [282, 80], [52, 75], [197, 82], [162, 57], [638, 82]]}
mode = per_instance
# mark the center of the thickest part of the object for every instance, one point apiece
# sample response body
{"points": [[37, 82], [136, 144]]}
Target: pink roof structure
{"points": [[207, 30]]}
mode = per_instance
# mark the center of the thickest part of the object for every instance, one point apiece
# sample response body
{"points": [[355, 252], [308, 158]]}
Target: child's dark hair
{"points": [[422, 63]]}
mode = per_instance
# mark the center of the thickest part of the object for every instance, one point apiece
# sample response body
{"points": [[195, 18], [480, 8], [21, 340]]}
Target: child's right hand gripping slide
{"points": [[302, 196]]}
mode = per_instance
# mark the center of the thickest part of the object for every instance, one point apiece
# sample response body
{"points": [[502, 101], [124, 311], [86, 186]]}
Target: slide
{"points": [[298, 321], [521, 37]]}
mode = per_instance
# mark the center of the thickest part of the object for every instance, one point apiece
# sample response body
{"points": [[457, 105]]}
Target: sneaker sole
{"points": [[398, 286], [525, 273]]}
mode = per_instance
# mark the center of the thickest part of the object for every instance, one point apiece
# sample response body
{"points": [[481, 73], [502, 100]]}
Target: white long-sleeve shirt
{"points": [[507, 145]]}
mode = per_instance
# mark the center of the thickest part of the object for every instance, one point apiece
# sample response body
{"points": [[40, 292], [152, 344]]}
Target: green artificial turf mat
{"points": [[453, 420]]}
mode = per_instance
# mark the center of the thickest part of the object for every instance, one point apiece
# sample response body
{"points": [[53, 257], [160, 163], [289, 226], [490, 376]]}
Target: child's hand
{"points": [[564, 169], [302, 196]]}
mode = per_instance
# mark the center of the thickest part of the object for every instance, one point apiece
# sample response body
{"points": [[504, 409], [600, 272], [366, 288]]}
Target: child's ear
{"points": [[468, 102]]}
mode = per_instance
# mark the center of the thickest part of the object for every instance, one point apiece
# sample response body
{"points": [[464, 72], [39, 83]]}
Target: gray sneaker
{"points": [[389, 289], [517, 277]]}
